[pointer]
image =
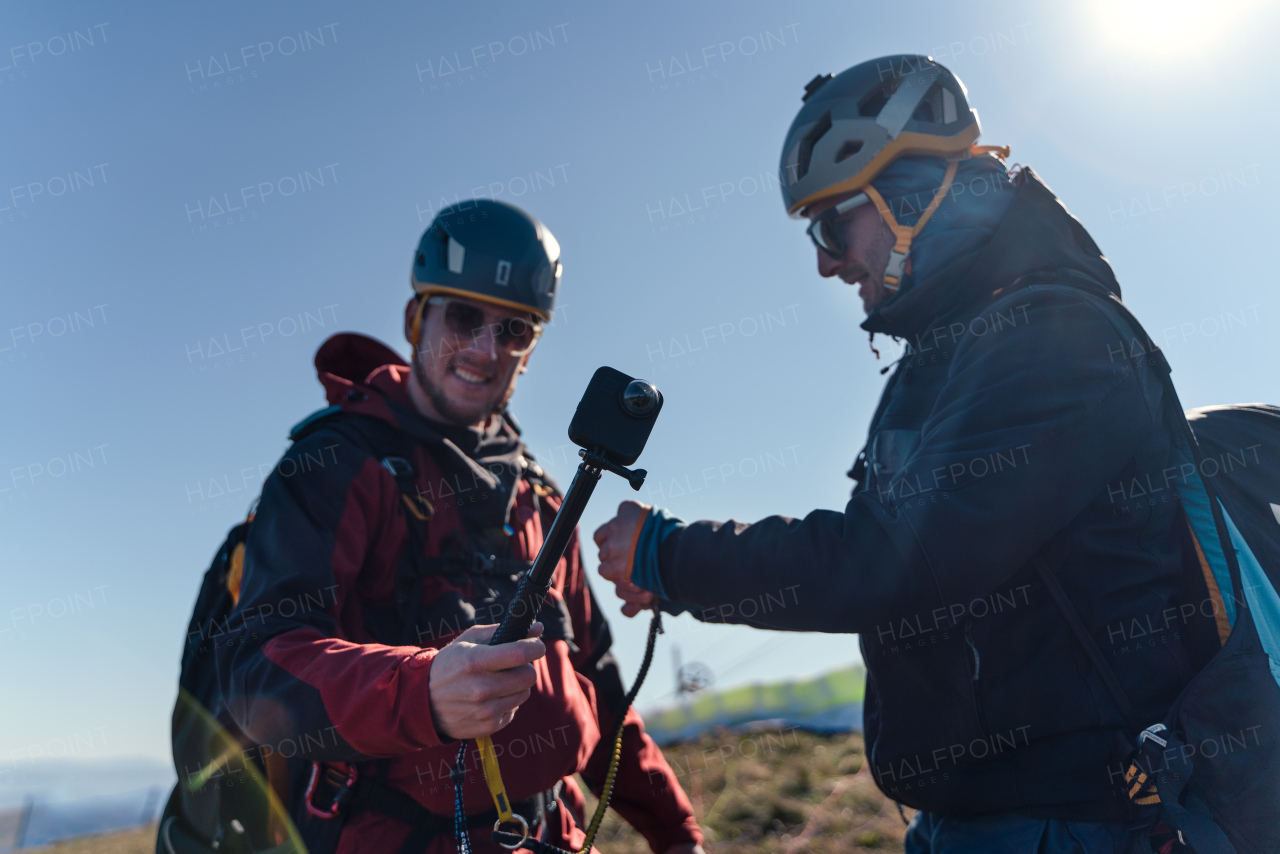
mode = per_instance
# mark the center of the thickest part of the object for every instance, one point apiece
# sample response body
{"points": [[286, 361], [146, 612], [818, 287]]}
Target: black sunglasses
{"points": [[515, 334], [823, 232]]}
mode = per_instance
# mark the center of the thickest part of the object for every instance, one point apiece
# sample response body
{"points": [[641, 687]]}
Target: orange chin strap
{"points": [[903, 235], [1001, 151], [416, 329]]}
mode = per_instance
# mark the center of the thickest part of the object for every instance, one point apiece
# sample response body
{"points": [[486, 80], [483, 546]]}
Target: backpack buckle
{"points": [[1140, 777], [333, 778], [398, 466], [417, 503]]}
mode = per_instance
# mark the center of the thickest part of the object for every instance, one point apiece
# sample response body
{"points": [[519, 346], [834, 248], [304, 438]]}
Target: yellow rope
{"points": [[606, 791]]}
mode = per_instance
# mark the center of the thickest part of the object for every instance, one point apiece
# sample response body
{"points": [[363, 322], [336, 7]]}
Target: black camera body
{"points": [[615, 416]]}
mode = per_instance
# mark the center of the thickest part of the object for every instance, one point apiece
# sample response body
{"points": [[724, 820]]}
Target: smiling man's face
{"points": [[462, 377], [867, 241]]}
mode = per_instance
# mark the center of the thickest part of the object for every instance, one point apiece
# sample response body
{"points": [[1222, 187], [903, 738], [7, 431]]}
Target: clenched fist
{"points": [[475, 688], [617, 541]]}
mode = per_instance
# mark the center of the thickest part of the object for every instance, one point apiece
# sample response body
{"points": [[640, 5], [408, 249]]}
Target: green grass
{"points": [[764, 793], [775, 792]]}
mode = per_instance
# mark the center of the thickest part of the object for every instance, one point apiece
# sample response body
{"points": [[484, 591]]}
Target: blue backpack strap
{"points": [[1193, 818], [1163, 769], [312, 422]]}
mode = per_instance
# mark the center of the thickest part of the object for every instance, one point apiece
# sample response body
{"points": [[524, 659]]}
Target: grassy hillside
{"points": [[778, 791], [772, 792]]}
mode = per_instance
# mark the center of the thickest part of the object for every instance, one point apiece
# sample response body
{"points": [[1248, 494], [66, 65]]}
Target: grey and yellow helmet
{"points": [[856, 123], [491, 251]]}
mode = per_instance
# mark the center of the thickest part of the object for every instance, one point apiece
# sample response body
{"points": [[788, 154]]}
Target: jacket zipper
{"points": [[974, 675]]}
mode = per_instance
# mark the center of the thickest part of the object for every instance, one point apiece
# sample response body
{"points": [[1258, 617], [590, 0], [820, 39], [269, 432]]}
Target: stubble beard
{"points": [[446, 408]]}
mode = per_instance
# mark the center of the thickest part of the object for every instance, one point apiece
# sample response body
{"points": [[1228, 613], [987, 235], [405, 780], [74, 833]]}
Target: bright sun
{"points": [[1171, 29]]}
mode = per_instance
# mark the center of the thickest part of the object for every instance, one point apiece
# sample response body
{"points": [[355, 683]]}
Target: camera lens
{"points": [[640, 398]]}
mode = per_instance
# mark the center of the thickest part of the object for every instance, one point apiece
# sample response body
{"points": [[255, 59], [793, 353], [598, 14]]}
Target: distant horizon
{"points": [[70, 780]]}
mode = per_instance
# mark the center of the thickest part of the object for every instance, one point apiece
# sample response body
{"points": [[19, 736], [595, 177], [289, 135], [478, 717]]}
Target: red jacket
{"points": [[309, 662]]}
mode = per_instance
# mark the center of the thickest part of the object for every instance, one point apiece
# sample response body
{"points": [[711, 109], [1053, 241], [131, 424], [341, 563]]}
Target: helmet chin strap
{"points": [[415, 329], [903, 234], [415, 333]]}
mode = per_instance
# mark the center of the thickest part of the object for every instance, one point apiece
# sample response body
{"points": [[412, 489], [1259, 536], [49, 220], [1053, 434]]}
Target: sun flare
{"points": [[1172, 29]]}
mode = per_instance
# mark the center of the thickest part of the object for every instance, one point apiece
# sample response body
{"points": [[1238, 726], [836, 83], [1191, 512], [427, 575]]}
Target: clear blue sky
{"points": [[193, 198]]}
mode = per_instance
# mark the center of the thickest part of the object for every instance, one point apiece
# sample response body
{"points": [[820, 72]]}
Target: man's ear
{"points": [[524, 363]]}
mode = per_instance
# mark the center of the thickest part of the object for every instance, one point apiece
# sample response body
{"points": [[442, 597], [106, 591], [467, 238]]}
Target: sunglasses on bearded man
{"points": [[514, 333], [823, 231]]}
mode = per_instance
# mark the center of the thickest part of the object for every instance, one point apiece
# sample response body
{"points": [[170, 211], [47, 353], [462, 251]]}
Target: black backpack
{"points": [[231, 797], [222, 801], [1209, 772]]}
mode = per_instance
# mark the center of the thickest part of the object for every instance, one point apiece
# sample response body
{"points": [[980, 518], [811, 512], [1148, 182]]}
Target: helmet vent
{"points": [[938, 106], [931, 109], [457, 255], [849, 149], [873, 102], [819, 129]]}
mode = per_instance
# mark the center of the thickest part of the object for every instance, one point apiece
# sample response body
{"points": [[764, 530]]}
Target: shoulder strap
{"points": [[1086, 640], [392, 447], [1176, 421], [372, 435], [1174, 416], [394, 450], [543, 487]]}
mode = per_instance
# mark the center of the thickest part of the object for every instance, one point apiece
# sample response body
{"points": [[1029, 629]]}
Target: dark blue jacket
{"points": [[1020, 421]]}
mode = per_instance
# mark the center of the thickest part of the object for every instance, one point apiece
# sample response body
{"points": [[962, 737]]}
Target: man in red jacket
{"points": [[414, 551]]}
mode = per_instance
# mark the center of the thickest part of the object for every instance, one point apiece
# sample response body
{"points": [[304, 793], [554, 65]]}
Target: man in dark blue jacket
{"points": [[1022, 424]]}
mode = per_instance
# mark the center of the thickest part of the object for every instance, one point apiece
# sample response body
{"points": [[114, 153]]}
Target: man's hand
{"points": [[475, 688], [617, 541]]}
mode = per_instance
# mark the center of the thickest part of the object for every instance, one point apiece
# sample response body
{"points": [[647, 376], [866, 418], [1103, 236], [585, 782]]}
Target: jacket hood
{"points": [[365, 376], [349, 362], [1036, 234]]}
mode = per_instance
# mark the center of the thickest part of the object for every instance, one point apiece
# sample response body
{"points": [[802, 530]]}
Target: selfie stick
{"points": [[536, 584], [615, 435]]}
